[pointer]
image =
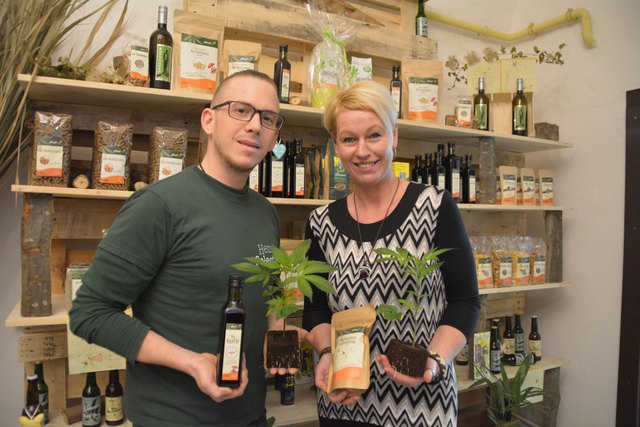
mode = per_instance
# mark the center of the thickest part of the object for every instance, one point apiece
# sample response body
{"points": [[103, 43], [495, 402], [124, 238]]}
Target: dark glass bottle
{"points": [[32, 407], [452, 172], [396, 90], [113, 411], [286, 160], [261, 177], [91, 405], [468, 174], [518, 333], [535, 341], [288, 390], [276, 171], [253, 182], [426, 169], [160, 53], [296, 171], [277, 381], [266, 182], [231, 336], [519, 110], [481, 106], [421, 20], [509, 356], [438, 172], [282, 75], [494, 351], [43, 390], [463, 357], [417, 171]]}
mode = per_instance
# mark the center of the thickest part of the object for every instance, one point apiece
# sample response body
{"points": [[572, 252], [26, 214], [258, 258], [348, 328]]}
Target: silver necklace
{"points": [[363, 272]]}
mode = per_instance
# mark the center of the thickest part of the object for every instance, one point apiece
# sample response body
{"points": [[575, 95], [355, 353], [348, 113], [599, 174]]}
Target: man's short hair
{"points": [[245, 73]]}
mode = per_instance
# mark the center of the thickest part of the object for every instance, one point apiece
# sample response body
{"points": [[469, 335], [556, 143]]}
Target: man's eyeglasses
{"points": [[245, 112]]}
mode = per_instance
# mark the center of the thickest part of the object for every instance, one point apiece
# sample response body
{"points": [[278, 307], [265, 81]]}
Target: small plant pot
{"points": [[407, 359], [283, 349]]}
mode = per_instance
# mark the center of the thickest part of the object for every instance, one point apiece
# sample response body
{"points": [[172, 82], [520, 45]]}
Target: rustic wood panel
{"points": [[58, 265], [83, 218], [42, 346], [36, 229], [501, 306], [553, 237]]}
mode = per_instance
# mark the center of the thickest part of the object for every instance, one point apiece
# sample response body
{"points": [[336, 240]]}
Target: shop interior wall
{"points": [[586, 98]]}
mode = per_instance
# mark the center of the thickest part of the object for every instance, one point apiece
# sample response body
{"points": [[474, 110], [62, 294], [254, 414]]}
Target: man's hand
{"points": [[205, 372]]}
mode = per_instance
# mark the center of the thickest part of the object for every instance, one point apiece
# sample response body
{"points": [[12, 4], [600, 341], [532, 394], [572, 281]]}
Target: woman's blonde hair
{"points": [[363, 95]]}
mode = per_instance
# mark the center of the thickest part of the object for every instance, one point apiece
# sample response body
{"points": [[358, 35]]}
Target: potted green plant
{"points": [[409, 359], [507, 396], [281, 278]]}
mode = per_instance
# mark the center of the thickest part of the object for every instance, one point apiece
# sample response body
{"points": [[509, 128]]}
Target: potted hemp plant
{"points": [[409, 359], [506, 397], [279, 278]]}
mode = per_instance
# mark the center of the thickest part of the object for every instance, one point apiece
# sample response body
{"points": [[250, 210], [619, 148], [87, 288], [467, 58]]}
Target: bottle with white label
{"points": [[535, 341], [282, 75], [452, 176], [468, 175], [296, 171], [396, 90], [91, 405], [421, 20], [231, 336]]}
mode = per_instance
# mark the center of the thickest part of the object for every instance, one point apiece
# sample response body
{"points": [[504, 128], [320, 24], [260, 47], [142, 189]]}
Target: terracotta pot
{"points": [[283, 349], [407, 359]]}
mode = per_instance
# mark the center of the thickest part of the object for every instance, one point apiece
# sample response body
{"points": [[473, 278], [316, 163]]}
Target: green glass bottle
{"points": [[481, 106], [91, 405], [43, 391], [519, 110], [421, 20]]}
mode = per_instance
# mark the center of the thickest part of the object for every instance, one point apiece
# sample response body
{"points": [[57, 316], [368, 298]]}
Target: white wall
{"points": [[586, 97]]}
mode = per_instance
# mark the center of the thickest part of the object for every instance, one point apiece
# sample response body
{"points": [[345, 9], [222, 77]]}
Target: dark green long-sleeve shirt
{"points": [[169, 254]]}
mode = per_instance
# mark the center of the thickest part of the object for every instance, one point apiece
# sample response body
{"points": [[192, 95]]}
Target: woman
{"points": [[384, 211]]}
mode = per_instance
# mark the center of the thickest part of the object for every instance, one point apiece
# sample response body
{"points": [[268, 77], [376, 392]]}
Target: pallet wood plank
{"points": [[36, 228], [42, 346], [83, 218], [553, 232]]}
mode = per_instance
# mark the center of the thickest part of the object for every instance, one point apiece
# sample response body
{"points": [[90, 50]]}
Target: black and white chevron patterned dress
{"points": [[417, 224]]}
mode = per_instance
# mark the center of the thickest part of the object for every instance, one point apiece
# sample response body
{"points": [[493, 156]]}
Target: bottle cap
{"points": [[284, 47], [235, 281]]}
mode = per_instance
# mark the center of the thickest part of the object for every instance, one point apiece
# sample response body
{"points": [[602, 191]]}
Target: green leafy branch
{"points": [[280, 275], [419, 268]]}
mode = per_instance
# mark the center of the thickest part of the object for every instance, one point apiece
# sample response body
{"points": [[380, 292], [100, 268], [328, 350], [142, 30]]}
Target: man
{"points": [[168, 254]]}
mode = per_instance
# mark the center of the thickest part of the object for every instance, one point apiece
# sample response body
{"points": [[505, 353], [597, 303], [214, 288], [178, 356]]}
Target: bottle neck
{"points": [[283, 54], [421, 8], [494, 333], [481, 86], [534, 324], [508, 324], [114, 376], [39, 371], [520, 87], [162, 19], [235, 294], [518, 325], [91, 379], [32, 392]]}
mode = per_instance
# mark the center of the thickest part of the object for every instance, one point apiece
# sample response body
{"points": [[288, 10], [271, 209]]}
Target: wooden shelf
{"points": [[110, 95], [60, 315], [547, 363], [525, 288], [76, 193]]}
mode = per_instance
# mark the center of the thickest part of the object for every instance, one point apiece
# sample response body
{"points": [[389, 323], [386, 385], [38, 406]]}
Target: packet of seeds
{"points": [[350, 366]]}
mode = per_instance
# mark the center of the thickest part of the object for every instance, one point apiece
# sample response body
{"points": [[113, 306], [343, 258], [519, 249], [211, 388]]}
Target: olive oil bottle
{"points": [[282, 75], [231, 336], [160, 52]]}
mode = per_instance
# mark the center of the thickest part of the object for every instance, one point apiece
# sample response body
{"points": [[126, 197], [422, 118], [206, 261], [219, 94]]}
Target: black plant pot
{"points": [[407, 359], [283, 349]]}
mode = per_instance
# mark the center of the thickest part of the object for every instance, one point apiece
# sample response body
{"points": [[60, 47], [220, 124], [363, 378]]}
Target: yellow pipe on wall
{"points": [[571, 16]]}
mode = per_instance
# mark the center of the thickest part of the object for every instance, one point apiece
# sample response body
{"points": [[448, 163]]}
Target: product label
{"points": [[508, 189], [163, 63], [396, 93], [286, 85], [546, 191], [455, 184], [483, 269], [523, 270], [43, 398], [482, 114], [539, 267], [422, 26], [519, 342], [349, 354], [520, 118], [91, 411], [536, 347], [363, 67], [254, 179], [232, 352], [423, 98], [518, 191], [498, 190], [299, 188], [463, 112], [494, 362], [113, 165], [528, 190], [75, 285], [50, 154], [276, 175], [339, 180], [463, 356], [472, 189], [506, 273], [240, 63], [139, 62], [171, 163], [509, 346], [113, 408], [198, 62]]}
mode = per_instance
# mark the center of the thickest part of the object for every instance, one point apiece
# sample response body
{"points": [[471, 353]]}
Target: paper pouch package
{"points": [[73, 281], [335, 180], [350, 366]]}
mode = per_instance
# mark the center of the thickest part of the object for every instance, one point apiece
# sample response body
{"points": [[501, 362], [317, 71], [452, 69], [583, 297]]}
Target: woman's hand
{"points": [[403, 379]]}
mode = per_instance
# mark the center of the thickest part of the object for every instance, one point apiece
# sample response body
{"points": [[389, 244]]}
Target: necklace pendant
{"points": [[364, 273]]}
